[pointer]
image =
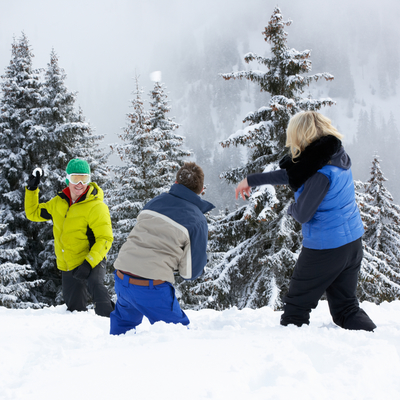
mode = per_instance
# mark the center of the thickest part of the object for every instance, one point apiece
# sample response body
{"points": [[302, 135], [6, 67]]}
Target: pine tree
{"points": [[150, 156], [21, 142], [254, 249], [170, 156], [138, 153], [380, 273], [14, 288], [56, 119], [68, 134]]}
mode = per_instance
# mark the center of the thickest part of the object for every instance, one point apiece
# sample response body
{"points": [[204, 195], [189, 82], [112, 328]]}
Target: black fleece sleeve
{"points": [[278, 177], [315, 189]]}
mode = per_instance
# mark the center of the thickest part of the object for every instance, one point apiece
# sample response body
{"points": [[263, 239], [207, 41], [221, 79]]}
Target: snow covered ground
{"points": [[246, 354]]}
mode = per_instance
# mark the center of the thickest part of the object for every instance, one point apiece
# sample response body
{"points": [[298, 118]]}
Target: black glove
{"points": [[34, 180], [82, 272]]}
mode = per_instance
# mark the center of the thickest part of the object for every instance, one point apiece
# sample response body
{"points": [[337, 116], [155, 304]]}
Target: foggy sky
{"points": [[101, 44]]}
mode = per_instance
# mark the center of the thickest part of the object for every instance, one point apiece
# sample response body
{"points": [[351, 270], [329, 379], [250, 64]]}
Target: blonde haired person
{"points": [[306, 127], [318, 171]]}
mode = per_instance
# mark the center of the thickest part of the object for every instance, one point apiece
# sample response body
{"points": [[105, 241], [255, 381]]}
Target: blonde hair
{"points": [[305, 127]]}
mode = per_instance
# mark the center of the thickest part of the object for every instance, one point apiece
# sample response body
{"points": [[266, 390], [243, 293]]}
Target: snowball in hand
{"points": [[37, 170]]}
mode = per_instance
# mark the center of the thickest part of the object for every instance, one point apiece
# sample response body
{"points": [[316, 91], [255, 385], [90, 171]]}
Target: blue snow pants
{"points": [[156, 302]]}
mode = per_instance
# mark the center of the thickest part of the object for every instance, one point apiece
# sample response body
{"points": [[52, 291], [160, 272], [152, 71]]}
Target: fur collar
{"points": [[315, 156]]}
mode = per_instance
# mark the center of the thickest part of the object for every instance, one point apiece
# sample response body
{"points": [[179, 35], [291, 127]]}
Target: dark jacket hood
{"points": [[321, 152], [340, 159]]}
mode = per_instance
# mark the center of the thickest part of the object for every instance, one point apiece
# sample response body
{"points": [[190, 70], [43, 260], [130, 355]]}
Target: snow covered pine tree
{"points": [[133, 180], [151, 157], [21, 141], [170, 154], [14, 288], [253, 250], [380, 270]]}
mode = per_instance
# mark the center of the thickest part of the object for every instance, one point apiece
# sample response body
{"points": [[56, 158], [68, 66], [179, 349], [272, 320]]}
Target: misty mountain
{"points": [[102, 47]]}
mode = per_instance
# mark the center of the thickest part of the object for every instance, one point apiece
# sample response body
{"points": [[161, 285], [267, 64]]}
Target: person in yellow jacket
{"points": [[82, 235]]}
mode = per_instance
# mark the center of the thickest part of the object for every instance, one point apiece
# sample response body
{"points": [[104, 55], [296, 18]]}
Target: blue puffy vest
{"points": [[337, 220]]}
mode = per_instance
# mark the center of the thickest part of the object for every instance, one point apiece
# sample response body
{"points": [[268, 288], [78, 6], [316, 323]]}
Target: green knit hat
{"points": [[77, 166]]}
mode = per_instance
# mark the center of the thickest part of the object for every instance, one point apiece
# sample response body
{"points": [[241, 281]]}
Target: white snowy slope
{"points": [[233, 354]]}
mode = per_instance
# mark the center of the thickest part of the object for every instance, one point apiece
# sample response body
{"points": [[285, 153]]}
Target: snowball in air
{"points": [[155, 76]]}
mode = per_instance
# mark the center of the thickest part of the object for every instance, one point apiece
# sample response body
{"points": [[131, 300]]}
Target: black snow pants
{"points": [[76, 292], [334, 271]]}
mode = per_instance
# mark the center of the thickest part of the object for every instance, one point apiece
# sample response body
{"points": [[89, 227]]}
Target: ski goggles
{"points": [[75, 179]]}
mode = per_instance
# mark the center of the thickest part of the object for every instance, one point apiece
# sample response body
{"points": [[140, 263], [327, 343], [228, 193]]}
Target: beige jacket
{"points": [[155, 256], [170, 236]]}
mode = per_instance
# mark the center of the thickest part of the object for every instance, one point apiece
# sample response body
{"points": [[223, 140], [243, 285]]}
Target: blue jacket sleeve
{"points": [[198, 248], [278, 177], [315, 189]]}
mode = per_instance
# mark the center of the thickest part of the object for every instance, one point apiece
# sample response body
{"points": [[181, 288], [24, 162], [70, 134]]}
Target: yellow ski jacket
{"points": [[82, 231]]}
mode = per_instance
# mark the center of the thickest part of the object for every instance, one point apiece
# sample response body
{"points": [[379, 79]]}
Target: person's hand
{"points": [[242, 188], [34, 179], [82, 272]]}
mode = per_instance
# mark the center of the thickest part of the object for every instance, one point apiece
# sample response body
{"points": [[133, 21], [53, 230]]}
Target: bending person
{"points": [[318, 170], [82, 235], [170, 237]]}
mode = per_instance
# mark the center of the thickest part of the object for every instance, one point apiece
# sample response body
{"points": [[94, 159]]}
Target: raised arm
{"points": [[278, 177]]}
